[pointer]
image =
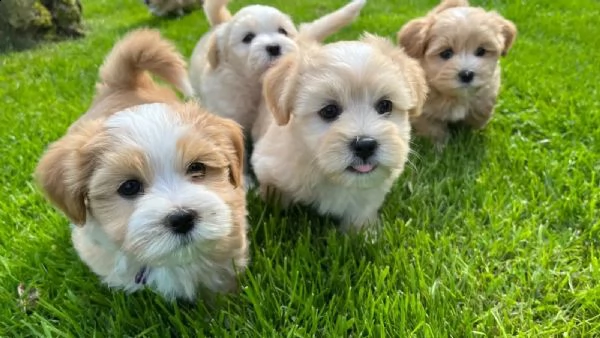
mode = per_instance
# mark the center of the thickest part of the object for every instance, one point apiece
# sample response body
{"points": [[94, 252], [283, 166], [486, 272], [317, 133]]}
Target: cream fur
{"points": [[305, 159], [226, 73]]}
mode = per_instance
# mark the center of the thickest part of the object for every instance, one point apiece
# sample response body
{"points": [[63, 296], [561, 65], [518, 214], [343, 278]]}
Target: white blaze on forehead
{"points": [[152, 128]]}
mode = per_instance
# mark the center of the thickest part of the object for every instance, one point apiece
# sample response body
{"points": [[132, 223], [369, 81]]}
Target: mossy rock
{"points": [[23, 22]]}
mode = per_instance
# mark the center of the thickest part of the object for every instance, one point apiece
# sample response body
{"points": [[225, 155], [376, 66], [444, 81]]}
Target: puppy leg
{"points": [[368, 223], [434, 129], [271, 195], [479, 117]]}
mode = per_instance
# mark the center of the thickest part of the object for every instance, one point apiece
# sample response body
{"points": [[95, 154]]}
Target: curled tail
{"points": [[327, 25], [216, 11], [139, 52]]}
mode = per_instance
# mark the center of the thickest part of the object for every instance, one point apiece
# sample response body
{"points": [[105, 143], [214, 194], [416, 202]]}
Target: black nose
{"points": [[466, 76], [364, 146], [182, 221], [273, 50]]}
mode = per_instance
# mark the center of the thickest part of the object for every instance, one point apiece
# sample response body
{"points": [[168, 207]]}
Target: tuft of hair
{"points": [[446, 4], [144, 50], [327, 25], [216, 11]]}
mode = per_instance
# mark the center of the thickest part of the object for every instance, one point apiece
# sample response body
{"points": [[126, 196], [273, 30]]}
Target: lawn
{"points": [[498, 235]]}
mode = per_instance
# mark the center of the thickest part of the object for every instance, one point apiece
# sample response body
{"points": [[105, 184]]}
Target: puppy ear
{"points": [[417, 81], [508, 31], [64, 171], [212, 51], [236, 154], [278, 88], [413, 37]]}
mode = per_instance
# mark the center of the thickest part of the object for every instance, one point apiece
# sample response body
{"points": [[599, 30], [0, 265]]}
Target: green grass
{"points": [[499, 235]]}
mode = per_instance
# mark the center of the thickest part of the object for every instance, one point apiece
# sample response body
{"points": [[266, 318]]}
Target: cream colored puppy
{"points": [[228, 62], [459, 48], [339, 133], [153, 186]]}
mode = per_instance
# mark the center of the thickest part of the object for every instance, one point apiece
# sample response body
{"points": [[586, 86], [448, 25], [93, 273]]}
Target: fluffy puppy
{"points": [[152, 185], [172, 7], [339, 132], [459, 48], [228, 62]]}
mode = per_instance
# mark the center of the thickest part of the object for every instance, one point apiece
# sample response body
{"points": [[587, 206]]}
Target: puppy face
{"points": [[459, 47], [160, 184], [254, 38], [348, 105]]}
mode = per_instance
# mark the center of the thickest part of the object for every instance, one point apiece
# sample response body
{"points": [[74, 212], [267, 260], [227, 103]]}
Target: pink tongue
{"points": [[363, 168]]}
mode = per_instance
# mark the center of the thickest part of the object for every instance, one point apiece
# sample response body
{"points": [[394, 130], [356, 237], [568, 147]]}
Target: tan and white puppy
{"points": [[228, 62], [459, 48], [172, 7], [339, 132], [152, 185]]}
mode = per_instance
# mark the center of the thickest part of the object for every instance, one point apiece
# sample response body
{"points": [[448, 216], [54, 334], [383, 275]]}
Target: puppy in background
{"points": [[153, 186], [172, 7], [334, 130], [228, 63], [459, 48]]}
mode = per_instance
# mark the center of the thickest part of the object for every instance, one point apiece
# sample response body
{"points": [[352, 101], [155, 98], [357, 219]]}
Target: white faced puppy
{"points": [[339, 133], [228, 62], [459, 48], [153, 185]]}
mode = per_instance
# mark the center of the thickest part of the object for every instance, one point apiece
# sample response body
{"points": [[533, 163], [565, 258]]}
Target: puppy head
{"points": [[163, 184], [348, 105], [458, 46], [252, 40]]}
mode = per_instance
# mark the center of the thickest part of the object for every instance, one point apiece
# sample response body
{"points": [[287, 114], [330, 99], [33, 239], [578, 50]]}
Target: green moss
{"points": [[40, 18]]}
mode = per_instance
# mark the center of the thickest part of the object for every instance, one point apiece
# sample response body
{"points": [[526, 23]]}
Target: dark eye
{"points": [[130, 188], [330, 112], [480, 52], [248, 38], [447, 54], [384, 106], [196, 169], [282, 31]]}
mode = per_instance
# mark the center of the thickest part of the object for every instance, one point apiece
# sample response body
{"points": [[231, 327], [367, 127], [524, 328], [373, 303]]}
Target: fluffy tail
{"points": [[139, 52], [216, 11], [331, 23]]}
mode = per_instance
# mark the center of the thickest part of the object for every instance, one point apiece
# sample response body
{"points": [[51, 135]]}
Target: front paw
{"points": [[368, 227]]}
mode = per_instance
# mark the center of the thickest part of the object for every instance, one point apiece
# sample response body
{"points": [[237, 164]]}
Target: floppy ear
{"points": [[508, 31], [413, 37], [236, 155], [415, 75], [409, 67], [212, 51], [64, 171], [279, 86]]}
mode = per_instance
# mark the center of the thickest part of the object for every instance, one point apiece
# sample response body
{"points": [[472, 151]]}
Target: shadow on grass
{"points": [[439, 181]]}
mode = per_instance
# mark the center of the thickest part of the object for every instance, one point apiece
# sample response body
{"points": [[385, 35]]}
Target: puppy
{"points": [[228, 62], [152, 185], [339, 132], [459, 48], [172, 7]]}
